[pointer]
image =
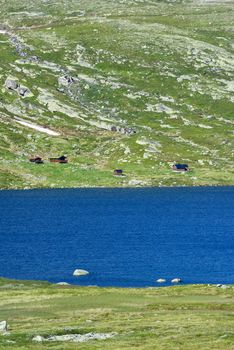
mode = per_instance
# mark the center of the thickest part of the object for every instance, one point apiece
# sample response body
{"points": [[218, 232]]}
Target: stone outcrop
{"points": [[14, 85], [65, 80], [76, 338], [11, 84], [123, 130], [3, 326], [23, 91]]}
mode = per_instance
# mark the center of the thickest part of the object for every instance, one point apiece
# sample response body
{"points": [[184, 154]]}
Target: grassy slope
{"points": [[181, 317], [163, 69]]}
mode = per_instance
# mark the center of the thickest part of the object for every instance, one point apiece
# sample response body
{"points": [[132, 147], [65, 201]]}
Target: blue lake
{"points": [[123, 237]]}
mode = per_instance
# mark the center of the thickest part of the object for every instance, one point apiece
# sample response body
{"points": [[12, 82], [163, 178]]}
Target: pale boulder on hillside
{"points": [[24, 91], [80, 272], [3, 326], [11, 84]]}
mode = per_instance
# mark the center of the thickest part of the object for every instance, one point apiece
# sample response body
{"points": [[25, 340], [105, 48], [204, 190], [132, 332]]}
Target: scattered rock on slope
{"points": [[3, 326], [76, 338], [11, 84], [24, 91]]}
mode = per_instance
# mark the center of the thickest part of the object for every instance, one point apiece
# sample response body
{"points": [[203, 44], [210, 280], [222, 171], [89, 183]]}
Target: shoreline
{"points": [[115, 187], [157, 285]]}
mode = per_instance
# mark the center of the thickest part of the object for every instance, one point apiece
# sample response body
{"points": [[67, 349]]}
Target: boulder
{"points": [[11, 84], [63, 284], [77, 338], [161, 280], [38, 339], [3, 326], [23, 91], [79, 272], [65, 80], [224, 286], [176, 280]]}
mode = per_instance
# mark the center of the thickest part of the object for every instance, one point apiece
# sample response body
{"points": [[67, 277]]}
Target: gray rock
{"points": [[65, 80], [38, 339], [76, 338], [23, 91], [10, 341], [79, 272], [224, 286], [176, 280], [11, 84], [3, 326]]}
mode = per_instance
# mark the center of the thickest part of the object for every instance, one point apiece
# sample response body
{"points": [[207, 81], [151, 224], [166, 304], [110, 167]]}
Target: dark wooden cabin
{"points": [[180, 167], [37, 160], [118, 172], [61, 159]]}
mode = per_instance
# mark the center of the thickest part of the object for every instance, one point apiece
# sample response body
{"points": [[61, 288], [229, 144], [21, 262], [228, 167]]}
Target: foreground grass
{"points": [[180, 317]]}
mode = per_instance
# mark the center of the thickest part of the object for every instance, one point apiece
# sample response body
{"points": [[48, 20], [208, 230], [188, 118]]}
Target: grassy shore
{"points": [[180, 317]]}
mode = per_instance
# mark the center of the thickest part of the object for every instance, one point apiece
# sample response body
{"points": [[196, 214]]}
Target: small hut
{"points": [[118, 172], [61, 159], [180, 167], [36, 160]]}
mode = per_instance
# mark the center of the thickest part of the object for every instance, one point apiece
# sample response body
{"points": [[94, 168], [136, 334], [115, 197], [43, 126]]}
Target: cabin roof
{"points": [[181, 166]]}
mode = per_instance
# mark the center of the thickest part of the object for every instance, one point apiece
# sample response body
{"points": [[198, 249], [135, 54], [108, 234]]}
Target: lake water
{"points": [[123, 237]]}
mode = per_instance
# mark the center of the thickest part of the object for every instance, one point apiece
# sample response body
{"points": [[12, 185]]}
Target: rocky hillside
{"points": [[128, 84]]}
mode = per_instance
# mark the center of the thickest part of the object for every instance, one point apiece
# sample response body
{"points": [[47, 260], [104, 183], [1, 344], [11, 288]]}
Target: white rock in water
{"points": [[79, 272], [176, 280], [63, 284], [161, 280], [3, 326]]}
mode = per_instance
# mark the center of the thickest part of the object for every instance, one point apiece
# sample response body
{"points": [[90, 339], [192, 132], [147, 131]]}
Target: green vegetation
{"points": [[180, 317], [136, 85]]}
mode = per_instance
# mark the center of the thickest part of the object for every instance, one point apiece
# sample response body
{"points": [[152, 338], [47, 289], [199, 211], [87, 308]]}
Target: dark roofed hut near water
{"points": [[180, 167], [118, 172], [61, 159]]}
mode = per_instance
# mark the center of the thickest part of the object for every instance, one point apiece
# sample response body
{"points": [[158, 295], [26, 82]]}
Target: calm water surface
{"points": [[123, 237]]}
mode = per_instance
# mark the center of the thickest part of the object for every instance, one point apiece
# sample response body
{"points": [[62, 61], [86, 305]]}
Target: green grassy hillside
{"points": [[130, 84], [180, 317]]}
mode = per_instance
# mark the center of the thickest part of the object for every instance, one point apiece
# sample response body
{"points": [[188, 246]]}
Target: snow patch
{"points": [[38, 128]]}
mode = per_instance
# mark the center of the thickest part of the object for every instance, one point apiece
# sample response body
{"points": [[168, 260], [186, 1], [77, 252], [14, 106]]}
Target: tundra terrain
{"points": [[125, 84], [40, 315]]}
